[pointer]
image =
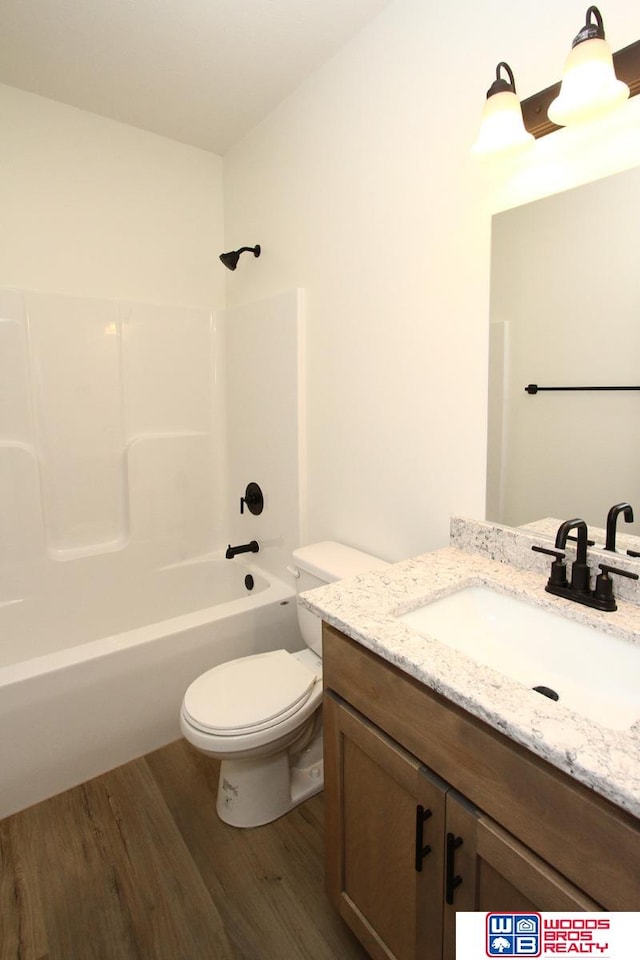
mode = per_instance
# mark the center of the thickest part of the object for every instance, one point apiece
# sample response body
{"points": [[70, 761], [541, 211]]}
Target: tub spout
{"points": [[251, 547]]}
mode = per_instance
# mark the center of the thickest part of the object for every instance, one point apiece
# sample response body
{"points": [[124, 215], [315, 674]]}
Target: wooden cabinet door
{"points": [[384, 826], [487, 869]]}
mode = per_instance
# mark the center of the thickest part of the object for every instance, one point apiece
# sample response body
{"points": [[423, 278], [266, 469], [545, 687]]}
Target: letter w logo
{"points": [[501, 924]]}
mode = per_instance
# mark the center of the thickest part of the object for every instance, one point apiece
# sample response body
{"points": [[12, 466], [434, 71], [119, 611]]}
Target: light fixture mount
{"points": [[590, 31], [500, 85]]}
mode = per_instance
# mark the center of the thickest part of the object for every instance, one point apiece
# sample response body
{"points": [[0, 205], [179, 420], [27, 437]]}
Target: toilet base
{"points": [[257, 791]]}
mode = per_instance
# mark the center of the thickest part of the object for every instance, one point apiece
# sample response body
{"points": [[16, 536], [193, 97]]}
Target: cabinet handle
{"points": [[452, 881], [421, 849]]}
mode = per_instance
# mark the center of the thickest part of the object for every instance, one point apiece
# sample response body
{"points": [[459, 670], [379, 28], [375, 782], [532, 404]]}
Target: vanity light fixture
{"points": [[230, 259], [542, 111], [502, 127], [589, 84]]}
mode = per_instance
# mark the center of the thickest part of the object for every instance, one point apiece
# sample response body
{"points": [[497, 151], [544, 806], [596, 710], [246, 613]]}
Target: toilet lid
{"points": [[249, 694]]}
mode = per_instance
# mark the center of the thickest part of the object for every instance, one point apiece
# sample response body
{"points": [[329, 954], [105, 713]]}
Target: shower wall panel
{"points": [[265, 422], [79, 431], [15, 414], [167, 362], [108, 429], [21, 533]]}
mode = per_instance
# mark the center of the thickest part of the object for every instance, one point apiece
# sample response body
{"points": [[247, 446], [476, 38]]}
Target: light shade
{"points": [[589, 84], [502, 127]]}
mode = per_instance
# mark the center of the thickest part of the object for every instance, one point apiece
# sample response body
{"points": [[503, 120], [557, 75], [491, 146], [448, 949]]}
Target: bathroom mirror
{"points": [[565, 312]]}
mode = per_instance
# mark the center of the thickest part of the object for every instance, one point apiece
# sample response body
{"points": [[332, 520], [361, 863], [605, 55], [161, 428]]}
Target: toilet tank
{"points": [[318, 564]]}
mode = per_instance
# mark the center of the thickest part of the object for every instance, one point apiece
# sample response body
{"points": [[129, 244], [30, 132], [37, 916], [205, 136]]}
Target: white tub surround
{"points": [[110, 433], [366, 609]]}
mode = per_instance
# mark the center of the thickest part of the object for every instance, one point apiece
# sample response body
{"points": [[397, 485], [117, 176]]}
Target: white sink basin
{"points": [[593, 673]]}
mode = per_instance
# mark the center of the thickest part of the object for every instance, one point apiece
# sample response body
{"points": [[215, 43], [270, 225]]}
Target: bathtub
{"points": [[94, 665]]}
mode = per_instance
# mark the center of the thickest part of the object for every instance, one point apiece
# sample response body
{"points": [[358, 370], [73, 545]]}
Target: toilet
{"points": [[260, 715]]}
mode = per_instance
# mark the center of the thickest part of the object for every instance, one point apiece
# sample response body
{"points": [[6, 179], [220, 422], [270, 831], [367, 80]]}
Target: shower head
{"points": [[230, 259]]}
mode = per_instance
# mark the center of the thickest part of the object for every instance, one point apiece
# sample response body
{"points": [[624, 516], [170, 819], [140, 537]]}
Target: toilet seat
{"points": [[248, 695]]}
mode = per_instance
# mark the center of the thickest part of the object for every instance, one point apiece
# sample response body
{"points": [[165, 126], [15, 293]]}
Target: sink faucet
{"points": [[580, 573], [612, 519], [579, 589]]}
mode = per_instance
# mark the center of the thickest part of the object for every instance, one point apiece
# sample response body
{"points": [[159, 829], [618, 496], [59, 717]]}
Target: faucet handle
{"points": [[590, 543], [253, 498], [558, 554], [558, 575], [604, 584], [606, 570]]}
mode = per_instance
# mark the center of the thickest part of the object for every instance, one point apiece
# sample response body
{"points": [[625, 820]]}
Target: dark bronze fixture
{"points": [[603, 592], [500, 85], [253, 499], [558, 576], [580, 573], [612, 519], [533, 388], [579, 589], [230, 259], [251, 547], [421, 848], [452, 879]]}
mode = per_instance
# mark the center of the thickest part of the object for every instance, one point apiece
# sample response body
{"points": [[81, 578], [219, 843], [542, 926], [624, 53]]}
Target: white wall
{"points": [[361, 190], [95, 208]]}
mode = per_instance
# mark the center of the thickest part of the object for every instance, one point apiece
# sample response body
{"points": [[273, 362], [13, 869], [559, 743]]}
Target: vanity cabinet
{"points": [[383, 811], [429, 811]]}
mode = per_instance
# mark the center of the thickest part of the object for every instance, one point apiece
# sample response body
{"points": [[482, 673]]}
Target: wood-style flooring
{"points": [[136, 865]]}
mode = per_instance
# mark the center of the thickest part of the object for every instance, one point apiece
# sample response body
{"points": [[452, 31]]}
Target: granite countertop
{"points": [[366, 608]]}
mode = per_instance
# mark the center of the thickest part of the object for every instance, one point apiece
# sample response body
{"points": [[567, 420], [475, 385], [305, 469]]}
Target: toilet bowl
{"points": [[260, 715]]}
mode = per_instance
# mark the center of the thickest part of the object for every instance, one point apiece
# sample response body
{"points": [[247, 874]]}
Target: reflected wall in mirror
{"points": [[565, 311]]}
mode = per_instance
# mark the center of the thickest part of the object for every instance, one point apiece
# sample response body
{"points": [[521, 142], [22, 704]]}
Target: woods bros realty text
{"points": [[575, 936]]}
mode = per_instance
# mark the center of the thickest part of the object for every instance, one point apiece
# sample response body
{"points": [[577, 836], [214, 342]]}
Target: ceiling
{"points": [[203, 72]]}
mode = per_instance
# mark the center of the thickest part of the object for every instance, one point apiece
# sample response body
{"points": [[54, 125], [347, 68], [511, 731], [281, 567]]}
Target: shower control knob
{"points": [[253, 499]]}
